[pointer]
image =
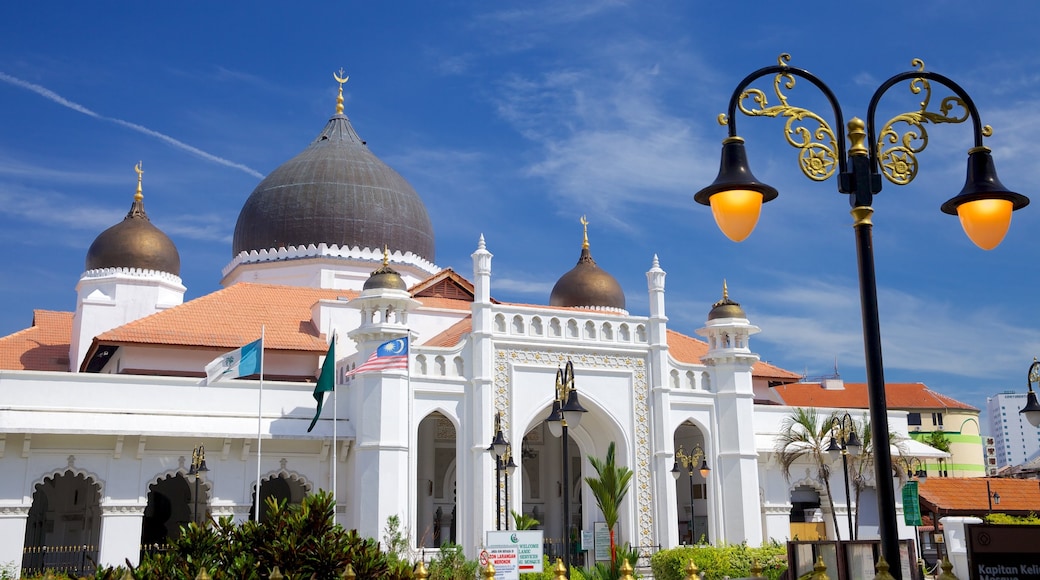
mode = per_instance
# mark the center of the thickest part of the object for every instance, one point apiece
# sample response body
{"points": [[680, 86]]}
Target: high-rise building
{"points": [[1016, 439]]}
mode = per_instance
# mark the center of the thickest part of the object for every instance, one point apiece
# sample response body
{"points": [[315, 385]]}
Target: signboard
{"points": [[587, 541], [1002, 552], [503, 559], [602, 539], [528, 546], [911, 504]]}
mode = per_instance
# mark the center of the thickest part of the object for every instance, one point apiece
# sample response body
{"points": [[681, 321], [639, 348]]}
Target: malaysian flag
{"points": [[392, 354]]}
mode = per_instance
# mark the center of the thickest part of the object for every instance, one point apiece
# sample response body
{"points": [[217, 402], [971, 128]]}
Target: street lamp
{"points": [[499, 448], [566, 412], [984, 205], [198, 469], [844, 429], [920, 474], [1032, 408], [992, 496], [689, 462]]}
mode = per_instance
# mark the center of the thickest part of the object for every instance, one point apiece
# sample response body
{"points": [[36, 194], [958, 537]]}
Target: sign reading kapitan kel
{"points": [[528, 545], [1003, 552]]}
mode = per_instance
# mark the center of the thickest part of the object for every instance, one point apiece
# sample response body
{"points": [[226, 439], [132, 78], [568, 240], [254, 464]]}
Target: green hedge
{"points": [[717, 562]]}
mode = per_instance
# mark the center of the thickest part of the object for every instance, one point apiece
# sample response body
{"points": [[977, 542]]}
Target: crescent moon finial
{"points": [[341, 79], [585, 227], [137, 168]]}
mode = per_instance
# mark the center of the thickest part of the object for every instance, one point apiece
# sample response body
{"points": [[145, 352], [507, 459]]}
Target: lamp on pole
{"points": [[920, 474], [499, 448], [689, 463], [992, 496], [566, 412], [984, 205], [844, 441], [198, 469], [1032, 408], [509, 466]]}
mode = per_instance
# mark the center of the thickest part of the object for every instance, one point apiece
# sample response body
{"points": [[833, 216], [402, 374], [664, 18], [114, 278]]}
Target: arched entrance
{"points": [[64, 524], [279, 487], [541, 465], [435, 490], [691, 489], [807, 521], [170, 506]]}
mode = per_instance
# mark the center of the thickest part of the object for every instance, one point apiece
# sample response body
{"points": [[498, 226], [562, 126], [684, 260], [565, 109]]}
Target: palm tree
{"points": [[804, 434], [609, 489], [863, 464]]}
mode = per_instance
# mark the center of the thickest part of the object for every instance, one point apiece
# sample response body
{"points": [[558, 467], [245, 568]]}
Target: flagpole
{"points": [[259, 416]]}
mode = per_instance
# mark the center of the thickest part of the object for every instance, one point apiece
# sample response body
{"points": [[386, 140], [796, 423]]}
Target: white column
{"points": [[12, 532], [666, 511], [120, 534]]}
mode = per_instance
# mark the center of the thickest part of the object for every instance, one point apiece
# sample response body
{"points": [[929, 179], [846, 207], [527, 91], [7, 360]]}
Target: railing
{"points": [[79, 560]]}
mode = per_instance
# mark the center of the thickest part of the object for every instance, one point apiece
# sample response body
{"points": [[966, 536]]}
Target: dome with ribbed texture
{"points": [[726, 308], [335, 192], [587, 285], [134, 243]]}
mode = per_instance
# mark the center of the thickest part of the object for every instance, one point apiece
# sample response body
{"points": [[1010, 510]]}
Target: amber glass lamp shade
{"points": [[736, 196], [984, 205]]}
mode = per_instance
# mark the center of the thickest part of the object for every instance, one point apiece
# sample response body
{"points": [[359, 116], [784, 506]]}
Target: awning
{"points": [[914, 448]]}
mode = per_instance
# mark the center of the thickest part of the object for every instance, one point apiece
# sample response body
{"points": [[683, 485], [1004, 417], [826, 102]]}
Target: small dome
{"points": [[726, 308], [385, 278], [134, 243], [587, 285], [338, 193]]}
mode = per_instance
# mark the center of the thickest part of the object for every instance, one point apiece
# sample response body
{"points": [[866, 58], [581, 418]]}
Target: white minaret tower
{"points": [[380, 409], [132, 271], [729, 361]]}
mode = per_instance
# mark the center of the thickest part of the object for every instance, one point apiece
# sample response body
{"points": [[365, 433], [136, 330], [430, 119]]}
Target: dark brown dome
{"points": [[385, 278], [726, 308], [587, 285], [134, 243], [338, 193]]}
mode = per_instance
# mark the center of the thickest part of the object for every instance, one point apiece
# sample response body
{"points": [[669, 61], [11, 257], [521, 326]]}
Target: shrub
{"points": [[717, 562], [451, 564]]}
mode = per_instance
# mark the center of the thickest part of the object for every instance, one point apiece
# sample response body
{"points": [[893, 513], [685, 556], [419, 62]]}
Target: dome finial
{"points": [[585, 227], [386, 255], [339, 100], [725, 291], [138, 196]]}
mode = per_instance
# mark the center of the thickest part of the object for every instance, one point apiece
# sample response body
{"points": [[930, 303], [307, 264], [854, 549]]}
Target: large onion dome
{"points": [[726, 308], [587, 285], [335, 192], [134, 243]]}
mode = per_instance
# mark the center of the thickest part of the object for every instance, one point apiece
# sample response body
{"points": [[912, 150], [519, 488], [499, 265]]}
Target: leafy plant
{"points": [[609, 488], [524, 521], [804, 435], [717, 562], [451, 564]]}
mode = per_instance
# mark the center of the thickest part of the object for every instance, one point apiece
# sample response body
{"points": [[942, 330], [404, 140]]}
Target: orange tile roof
{"points": [[445, 303], [233, 316], [968, 495], [44, 346], [854, 396], [452, 335], [687, 349]]}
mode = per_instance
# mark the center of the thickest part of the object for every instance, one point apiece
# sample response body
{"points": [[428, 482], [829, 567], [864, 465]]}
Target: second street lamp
{"points": [[984, 205], [844, 430], [689, 463], [1032, 408], [566, 412], [499, 448]]}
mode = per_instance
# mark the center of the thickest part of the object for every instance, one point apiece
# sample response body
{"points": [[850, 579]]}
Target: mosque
{"points": [[108, 440]]}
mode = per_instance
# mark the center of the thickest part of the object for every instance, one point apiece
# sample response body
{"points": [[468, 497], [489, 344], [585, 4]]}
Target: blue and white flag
{"points": [[241, 362]]}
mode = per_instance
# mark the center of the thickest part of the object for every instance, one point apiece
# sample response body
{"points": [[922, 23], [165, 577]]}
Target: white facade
{"points": [[1017, 440]]}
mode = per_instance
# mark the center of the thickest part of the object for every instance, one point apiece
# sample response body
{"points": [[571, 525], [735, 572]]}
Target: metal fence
{"points": [[78, 560]]}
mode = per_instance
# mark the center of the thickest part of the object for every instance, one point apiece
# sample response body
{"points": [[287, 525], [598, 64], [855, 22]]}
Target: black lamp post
{"points": [[992, 496], [1032, 408], [984, 205], [509, 466], [844, 441], [566, 412], [499, 448], [198, 469], [689, 462], [920, 474]]}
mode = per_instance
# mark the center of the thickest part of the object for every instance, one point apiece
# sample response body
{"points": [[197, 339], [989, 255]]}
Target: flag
{"points": [[240, 362], [392, 354], [326, 380]]}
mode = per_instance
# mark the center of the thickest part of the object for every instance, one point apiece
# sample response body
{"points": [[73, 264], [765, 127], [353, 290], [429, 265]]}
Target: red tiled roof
{"points": [[44, 346], [968, 495], [854, 396], [452, 335], [233, 316], [686, 349]]}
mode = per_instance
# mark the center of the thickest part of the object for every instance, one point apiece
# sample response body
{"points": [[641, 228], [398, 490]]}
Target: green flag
{"points": [[326, 380], [911, 504]]}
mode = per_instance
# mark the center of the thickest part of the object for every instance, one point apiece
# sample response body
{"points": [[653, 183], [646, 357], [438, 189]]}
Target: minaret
{"points": [[476, 476], [380, 408], [132, 270], [729, 361]]}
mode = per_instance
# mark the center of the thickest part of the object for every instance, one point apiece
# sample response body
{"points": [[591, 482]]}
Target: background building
{"points": [[1016, 439]]}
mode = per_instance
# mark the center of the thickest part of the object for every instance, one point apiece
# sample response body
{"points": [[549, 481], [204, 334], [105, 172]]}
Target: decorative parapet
{"points": [[131, 273], [550, 326], [375, 255]]}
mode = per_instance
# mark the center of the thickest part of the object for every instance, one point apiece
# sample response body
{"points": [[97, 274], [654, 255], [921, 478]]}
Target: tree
{"points": [[804, 434], [609, 488]]}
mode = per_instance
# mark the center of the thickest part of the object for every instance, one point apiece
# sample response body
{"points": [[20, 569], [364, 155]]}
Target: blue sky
{"points": [[514, 119]]}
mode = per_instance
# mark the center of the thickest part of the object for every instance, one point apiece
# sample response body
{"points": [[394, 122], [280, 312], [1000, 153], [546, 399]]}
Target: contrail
{"points": [[56, 98]]}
